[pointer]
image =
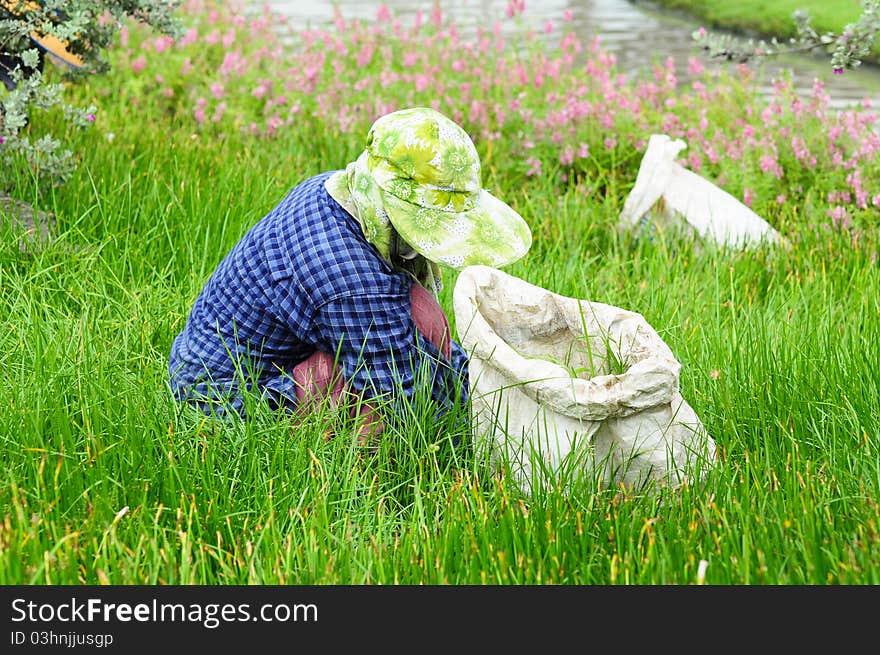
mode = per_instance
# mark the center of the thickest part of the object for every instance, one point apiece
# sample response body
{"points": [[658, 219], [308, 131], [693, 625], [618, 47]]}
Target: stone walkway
{"points": [[34, 228]]}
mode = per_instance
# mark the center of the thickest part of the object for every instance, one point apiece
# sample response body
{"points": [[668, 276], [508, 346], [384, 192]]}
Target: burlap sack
{"points": [[556, 404]]}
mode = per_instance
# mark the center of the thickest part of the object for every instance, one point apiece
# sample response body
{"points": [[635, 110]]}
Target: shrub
{"points": [[75, 32]]}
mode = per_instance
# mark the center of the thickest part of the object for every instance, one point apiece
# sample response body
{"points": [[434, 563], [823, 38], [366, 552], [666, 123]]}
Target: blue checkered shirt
{"points": [[305, 278]]}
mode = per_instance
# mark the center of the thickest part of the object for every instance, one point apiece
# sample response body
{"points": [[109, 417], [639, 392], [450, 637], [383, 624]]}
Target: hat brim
{"points": [[491, 233]]}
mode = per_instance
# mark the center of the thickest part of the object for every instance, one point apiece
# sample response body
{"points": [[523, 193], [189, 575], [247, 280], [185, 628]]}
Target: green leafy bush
{"points": [[75, 33]]}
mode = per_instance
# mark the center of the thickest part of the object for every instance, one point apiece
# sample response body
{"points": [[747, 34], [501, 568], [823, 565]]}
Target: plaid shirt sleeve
{"points": [[381, 352]]}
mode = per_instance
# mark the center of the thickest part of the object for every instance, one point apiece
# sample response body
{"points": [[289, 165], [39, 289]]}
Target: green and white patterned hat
{"points": [[421, 172]]}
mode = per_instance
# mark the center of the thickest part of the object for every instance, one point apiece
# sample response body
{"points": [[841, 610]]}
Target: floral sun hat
{"points": [[420, 176]]}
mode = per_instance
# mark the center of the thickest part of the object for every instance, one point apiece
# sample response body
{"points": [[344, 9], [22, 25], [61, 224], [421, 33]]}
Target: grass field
{"points": [[106, 480], [773, 18]]}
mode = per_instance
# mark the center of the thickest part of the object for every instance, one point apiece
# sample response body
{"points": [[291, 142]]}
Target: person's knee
{"points": [[316, 378]]}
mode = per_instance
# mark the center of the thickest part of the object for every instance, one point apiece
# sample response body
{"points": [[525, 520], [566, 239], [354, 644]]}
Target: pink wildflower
{"points": [[139, 64], [566, 157], [747, 197], [477, 111], [218, 112], [262, 88], [712, 154], [694, 66], [515, 7], [854, 179], [839, 197], [273, 124], [383, 13], [338, 20], [534, 166], [769, 164], [365, 55], [799, 148], [191, 36], [671, 123], [567, 15], [162, 43], [839, 216], [436, 15], [499, 40]]}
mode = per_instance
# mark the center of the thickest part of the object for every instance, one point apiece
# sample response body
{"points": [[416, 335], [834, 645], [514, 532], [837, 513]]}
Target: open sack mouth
{"points": [[583, 351], [582, 347], [574, 381]]}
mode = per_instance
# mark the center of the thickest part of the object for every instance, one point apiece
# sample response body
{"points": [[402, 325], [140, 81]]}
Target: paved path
{"points": [[33, 227]]}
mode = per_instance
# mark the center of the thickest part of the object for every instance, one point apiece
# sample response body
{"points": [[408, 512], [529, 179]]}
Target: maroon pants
{"points": [[319, 380]]}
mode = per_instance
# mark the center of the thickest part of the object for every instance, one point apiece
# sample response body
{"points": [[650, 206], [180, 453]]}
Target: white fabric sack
{"points": [[675, 196], [555, 405]]}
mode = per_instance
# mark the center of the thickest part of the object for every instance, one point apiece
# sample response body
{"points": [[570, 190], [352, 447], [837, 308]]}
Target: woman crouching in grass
{"points": [[333, 295]]}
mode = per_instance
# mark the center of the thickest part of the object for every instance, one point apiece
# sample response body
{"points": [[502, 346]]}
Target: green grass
{"points": [[106, 479], [769, 19], [88, 427]]}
